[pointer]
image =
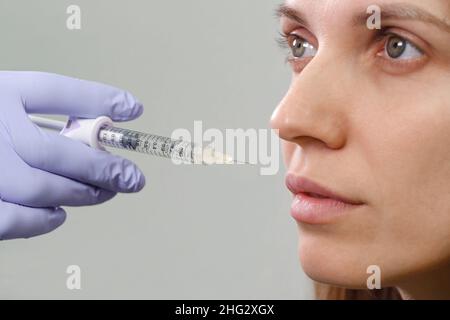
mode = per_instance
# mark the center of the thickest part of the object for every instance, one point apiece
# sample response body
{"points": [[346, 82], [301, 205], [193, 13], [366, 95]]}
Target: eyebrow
{"points": [[284, 11], [403, 11], [391, 11]]}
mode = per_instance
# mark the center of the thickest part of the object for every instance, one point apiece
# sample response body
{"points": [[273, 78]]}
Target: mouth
{"points": [[314, 204]]}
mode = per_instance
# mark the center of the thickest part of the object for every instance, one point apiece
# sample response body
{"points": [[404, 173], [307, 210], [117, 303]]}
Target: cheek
{"points": [[407, 151], [408, 156]]}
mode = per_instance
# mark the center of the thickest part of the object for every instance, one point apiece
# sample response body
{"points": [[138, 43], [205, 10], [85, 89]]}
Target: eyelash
{"points": [[381, 39], [393, 65], [297, 64]]}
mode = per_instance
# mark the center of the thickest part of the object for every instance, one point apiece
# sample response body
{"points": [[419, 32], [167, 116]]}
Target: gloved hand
{"points": [[41, 171]]}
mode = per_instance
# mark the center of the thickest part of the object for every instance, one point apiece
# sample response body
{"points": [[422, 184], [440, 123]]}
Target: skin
{"points": [[377, 130]]}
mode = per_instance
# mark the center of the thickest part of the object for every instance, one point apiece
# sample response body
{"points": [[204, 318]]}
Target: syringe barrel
{"points": [[101, 132], [147, 143]]}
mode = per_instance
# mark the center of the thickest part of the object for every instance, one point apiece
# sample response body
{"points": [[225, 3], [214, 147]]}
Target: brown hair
{"points": [[327, 292]]}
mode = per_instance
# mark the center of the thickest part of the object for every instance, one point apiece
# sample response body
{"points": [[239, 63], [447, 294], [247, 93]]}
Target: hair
{"points": [[327, 292]]}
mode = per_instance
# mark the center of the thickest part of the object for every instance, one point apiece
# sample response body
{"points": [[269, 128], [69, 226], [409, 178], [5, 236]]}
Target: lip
{"points": [[314, 204]]}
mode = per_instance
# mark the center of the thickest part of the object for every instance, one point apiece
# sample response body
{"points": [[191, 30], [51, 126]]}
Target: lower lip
{"points": [[311, 210]]}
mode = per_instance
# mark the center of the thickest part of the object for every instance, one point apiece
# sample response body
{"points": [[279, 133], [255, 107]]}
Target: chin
{"points": [[325, 261]]}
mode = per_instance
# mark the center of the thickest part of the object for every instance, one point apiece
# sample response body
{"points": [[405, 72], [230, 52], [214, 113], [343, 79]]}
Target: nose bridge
{"points": [[315, 104]]}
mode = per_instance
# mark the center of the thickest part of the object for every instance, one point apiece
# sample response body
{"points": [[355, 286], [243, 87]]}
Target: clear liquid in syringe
{"points": [[146, 143]]}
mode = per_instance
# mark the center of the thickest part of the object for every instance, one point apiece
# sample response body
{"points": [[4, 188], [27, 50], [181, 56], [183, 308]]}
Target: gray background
{"points": [[194, 232]]}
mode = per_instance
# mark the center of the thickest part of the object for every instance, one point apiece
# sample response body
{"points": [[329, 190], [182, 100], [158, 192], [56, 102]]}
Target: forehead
{"points": [[355, 4], [322, 13]]}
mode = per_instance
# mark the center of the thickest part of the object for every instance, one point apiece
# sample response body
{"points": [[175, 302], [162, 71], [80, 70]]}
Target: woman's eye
{"points": [[301, 48], [401, 49]]}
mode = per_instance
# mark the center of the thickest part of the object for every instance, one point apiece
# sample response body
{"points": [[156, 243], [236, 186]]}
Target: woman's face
{"points": [[367, 117]]}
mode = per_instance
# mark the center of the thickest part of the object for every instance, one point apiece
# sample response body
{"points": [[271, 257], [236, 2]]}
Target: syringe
{"points": [[101, 132]]}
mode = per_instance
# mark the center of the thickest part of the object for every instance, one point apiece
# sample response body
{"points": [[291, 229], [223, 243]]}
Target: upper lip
{"points": [[299, 184]]}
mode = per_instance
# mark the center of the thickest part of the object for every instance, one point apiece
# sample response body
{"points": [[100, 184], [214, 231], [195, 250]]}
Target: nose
{"points": [[314, 107]]}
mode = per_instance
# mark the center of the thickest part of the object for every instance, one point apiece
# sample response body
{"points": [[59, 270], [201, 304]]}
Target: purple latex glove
{"points": [[41, 171]]}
